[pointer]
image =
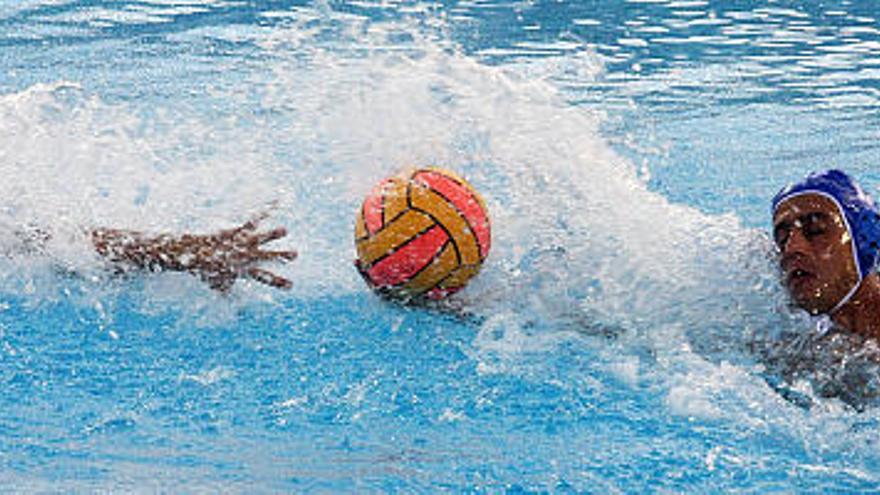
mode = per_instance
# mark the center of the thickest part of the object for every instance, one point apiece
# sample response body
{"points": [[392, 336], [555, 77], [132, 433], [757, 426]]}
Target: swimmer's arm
{"points": [[218, 259]]}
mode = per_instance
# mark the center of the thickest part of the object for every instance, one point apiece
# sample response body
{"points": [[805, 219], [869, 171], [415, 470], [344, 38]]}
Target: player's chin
{"points": [[811, 303]]}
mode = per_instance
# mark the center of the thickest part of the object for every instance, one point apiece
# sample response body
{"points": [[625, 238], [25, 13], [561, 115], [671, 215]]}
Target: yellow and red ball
{"points": [[422, 234]]}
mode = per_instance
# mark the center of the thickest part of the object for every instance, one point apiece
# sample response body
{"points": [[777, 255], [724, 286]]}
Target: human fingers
{"points": [[220, 282], [288, 255], [272, 235], [269, 278], [252, 224], [247, 227]]}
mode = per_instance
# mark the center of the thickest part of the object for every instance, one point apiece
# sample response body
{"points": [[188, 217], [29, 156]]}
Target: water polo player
{"points": [[828, 234]]}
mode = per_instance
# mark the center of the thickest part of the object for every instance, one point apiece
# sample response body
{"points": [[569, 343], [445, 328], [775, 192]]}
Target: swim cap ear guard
{"points": [[858, 212]]}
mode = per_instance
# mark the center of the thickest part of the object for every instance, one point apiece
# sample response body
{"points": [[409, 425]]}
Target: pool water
{"points": [[627, 334]]}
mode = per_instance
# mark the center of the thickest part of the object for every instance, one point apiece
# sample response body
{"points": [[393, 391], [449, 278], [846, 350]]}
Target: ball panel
{"points": [[372, 208], [394, 200], [400, 231], [433, 273], [360, 227], [466, 200], [410, 259], [430, 202], [458, 278]]}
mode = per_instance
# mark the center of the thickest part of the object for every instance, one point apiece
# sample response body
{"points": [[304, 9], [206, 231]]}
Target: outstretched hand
{"points": [[223, 257], [219, 259]]}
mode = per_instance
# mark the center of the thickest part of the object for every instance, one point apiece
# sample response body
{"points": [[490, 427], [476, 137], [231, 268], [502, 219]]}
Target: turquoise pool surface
{"points": [[628, 333]]}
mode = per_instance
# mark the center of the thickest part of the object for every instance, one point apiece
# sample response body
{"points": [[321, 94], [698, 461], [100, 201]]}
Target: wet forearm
{"points": [[148, 252]]}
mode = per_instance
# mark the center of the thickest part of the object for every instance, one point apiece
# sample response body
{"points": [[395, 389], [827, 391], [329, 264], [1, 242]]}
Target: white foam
{"points": [[576, 231]]}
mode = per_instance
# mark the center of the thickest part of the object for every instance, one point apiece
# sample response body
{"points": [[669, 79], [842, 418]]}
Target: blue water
{"points": [[616, 340]]}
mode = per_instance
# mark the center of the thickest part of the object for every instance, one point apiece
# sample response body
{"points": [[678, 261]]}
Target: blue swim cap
{"points": [[857, 208]]}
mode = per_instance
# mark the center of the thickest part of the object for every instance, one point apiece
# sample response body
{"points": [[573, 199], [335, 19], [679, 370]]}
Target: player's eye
{"points": [[814, 226], [781, 234]]}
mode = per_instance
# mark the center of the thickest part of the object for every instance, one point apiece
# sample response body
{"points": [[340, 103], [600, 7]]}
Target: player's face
{"points": [[816, 251]]}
